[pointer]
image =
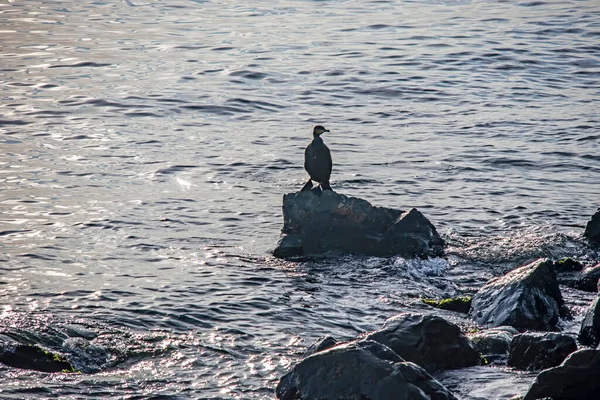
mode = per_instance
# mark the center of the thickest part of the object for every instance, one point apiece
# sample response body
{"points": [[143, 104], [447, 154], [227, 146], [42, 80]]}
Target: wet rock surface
{"points": [[592, 229], [359, 370], [526, 298], [577, 378], [535, 351], [585, 279], [427, 340], [589, 333], [495, 341], [317, 222], [34, 358]]}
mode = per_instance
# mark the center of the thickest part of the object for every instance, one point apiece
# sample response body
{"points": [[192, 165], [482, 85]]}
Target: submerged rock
{"points": [[494, 341], [577, 378], [536, 351], [34, 358], [359, 370], [592, 229], [315, 222], [428, 340], [589, 333], [458, 304], [525, 298]]}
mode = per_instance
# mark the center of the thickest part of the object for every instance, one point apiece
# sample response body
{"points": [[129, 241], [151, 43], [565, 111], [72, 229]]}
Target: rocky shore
{"points": [[517, 316]]}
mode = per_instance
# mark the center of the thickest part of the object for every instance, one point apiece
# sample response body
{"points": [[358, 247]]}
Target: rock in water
{"points": [[592, 229], [427, 340], [315, 222], [589, 333], [534, 351], [35, 358], [494, 341], [359, 370], [525, 298], [577, 378]]}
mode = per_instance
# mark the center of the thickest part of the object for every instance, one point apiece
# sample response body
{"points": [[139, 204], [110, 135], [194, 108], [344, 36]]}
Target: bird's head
{"points": [[318, 130]]}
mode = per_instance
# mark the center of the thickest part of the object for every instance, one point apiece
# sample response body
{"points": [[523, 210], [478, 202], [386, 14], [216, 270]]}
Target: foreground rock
{"points": [[592, 229], [494, 342], [315, 222], [525, 298], [34, 358], [577, 378], [359, 370], [589, 333], [536, 351], [428, 340]]}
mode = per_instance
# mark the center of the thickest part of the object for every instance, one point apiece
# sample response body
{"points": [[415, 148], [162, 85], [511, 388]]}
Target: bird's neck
{"points": [[316, 136]]}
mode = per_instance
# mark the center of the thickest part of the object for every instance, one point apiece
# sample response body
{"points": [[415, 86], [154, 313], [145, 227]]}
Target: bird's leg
{"points": [[307, 186], [325, 186]]}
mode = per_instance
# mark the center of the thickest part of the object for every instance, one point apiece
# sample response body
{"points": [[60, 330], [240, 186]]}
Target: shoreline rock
{"points": [[35, 358], [592, 229], [362, 369], [533, 351], [589, 333], [578, 377], [427, 340], [317, 222], [525, 298]]}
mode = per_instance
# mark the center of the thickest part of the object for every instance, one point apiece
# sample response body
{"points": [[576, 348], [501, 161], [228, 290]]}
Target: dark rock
{"points": [[315, 222], [592, 229], [458, 304], [525, 298], [577, 378], [33, 357], [428, 340], [589, 333], [359, 370], [536, 351], [586, 280], [323, 343], [567, 265], [494, 341], [589, 279]]}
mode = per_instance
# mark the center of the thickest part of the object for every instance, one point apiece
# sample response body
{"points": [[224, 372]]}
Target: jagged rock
{"points": [[533, 351], [323, 343], [526, 298], [592, 229], [428, 340], [589, 333], [494, 341], [359, 370], [316, 222], [577, 378], [458, 304], [33, 357]]}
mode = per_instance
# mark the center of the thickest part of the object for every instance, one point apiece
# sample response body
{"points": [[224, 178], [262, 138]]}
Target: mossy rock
{"points": [[35, 358], [567, 264], [458, 304]]}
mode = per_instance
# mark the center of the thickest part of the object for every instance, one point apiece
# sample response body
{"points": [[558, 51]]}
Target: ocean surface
{"points": [[146, 146]]}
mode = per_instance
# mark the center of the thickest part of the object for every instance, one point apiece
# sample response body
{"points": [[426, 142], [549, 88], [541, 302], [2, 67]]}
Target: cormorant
{"points": [[317, 160]]}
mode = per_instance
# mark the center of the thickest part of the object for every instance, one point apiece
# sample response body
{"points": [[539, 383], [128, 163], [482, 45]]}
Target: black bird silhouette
{"points": [[317, 160]]}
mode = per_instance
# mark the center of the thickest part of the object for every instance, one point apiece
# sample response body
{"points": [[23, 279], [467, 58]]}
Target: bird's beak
{"points": [[326, 130]]}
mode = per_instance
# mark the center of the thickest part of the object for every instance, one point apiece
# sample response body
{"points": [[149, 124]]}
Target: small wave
{"points": [[220, 110], [249, 74], [84, 64]]}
